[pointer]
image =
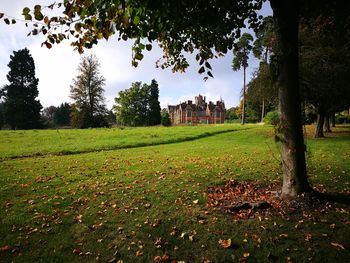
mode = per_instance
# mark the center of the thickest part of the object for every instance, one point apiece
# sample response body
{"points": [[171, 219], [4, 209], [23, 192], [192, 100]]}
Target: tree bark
{"points": [[327, 126], [243, 99], [333, 119], [286, 16], [319, 124]]}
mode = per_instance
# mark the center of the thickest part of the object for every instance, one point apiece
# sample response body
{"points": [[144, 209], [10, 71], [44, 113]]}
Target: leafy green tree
{"points": [[240, 60], [262, 93], [231, 114], [87, 92], [262, 86], [265, 43], [154, 105], [138, 105], [22, 109], [131, 107], [62, 115], [208, 28], [165, 120]]}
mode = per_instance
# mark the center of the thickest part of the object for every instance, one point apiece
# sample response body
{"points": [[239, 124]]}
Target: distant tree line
{"points": [[20, 109]]}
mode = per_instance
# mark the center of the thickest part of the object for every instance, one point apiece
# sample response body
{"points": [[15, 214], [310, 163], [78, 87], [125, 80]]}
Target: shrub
{"points": [[272, 117], [165, 118]]}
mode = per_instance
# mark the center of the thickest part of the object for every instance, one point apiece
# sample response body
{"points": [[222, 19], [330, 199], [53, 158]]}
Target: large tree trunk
{"points": [[333, 119], [295, 181], [320, 122], [243, 99], [327, 126]]}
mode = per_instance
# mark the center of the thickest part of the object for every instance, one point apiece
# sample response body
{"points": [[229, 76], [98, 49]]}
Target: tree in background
{"points": [[324, 69], [165, 118], [138, 105], [231, 114], [240, 60], [131, 107], [262, 94], [62, 115], [48, 116], [263, 84], [21, 107], [154, 105], [88, 109]]}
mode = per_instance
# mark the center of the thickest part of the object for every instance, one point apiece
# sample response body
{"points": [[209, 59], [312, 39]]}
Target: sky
{"points": [[56, 67]]}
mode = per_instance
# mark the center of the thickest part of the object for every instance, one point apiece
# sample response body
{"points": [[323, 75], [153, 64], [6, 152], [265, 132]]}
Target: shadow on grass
{"points": [[334, 197]]}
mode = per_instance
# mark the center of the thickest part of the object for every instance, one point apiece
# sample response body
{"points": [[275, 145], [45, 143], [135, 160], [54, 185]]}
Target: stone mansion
{"points": [[198, 112]]}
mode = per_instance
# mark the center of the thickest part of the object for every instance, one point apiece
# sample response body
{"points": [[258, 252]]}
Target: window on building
{"points": [[189, 113], [217, 114]]}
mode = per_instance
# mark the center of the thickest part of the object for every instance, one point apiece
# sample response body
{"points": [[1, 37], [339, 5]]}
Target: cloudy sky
{"points": [[56, 67]]}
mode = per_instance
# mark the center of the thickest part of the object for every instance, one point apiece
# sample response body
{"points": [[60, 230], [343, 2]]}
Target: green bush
{"points": [[272, 117], [165, 118]]}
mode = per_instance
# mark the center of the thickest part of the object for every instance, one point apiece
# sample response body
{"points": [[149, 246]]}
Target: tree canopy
{"points": [[85, 23], [138, 105]]}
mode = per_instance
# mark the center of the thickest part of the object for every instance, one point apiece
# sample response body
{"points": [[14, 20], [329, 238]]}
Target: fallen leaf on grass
{"points": [[157, 259], [5, 248], [225, 243], [139, 253], [78, 218], [337, 245], [163, 258], [76, 251], [246, 254], [308, 237]]}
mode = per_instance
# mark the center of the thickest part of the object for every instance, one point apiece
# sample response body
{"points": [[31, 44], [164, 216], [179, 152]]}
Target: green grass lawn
{"points": [[21, 143], [148, 204]]}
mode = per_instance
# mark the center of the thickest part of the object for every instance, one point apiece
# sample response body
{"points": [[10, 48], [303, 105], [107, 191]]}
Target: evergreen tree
{"points": [[88, 109], [22, 109], [240, 59], [62, 115], [154, 106]]}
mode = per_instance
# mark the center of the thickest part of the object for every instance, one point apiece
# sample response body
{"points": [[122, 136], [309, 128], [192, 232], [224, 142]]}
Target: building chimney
{"points": [[189, 102]]}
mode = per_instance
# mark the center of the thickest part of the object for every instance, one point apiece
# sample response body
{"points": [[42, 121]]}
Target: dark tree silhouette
{"points": [[154, 106], [22, 109]]}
